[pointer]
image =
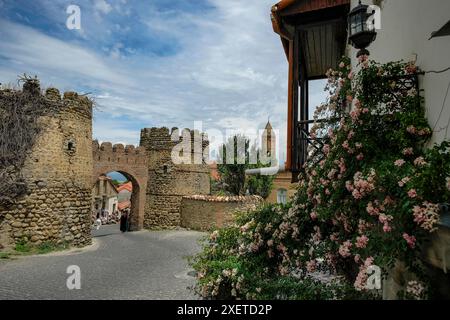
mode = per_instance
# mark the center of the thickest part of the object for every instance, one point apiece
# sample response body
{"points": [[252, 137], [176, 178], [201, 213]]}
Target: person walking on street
{"points": [[124, 221]]}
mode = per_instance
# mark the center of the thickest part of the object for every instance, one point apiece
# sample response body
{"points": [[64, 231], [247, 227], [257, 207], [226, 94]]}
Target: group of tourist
{"points": [[103, 217], [106, 217]]}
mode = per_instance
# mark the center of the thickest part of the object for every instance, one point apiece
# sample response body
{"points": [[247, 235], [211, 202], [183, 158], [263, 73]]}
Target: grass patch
{"points": [[5, 255], [24, 248], [47, 247]]}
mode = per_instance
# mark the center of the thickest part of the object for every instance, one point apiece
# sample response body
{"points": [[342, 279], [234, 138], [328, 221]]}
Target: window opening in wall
{"points": [[282, 196]]}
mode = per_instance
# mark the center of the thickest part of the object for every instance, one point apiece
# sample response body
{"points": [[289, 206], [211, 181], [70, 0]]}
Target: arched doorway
{"points": [[115, 193], [130, 162]]}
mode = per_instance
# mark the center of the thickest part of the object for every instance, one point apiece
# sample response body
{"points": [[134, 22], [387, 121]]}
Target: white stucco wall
{"points": [[406, 26], [111, 202]]}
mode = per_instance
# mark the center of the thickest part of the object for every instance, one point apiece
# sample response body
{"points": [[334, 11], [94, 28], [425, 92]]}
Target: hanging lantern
{"points": [[361, 33]]}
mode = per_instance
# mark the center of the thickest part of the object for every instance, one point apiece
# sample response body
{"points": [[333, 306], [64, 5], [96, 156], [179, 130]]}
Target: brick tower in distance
{"points": [[169, 182]]}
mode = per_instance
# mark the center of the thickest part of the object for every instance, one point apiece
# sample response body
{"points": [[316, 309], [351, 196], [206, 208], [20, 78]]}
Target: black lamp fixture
{"points": [[361, 33]]}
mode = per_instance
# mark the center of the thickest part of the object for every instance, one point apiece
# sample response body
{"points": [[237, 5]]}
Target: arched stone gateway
{"points": [[132, 163], [63, 164]]}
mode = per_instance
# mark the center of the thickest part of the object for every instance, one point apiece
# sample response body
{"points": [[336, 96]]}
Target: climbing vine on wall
{"points": [[369, 198], [19, 127]]}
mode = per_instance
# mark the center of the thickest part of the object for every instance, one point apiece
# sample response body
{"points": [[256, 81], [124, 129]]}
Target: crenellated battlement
{"points": [[71, 102], [165, 139], [118, 153], [51, 102], [169, 179], [63, 163]]}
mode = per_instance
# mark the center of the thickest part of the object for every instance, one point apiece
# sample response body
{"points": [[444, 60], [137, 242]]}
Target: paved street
{"points": [[139, 265]]}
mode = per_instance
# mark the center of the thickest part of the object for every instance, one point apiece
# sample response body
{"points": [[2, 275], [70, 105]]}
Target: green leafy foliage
{"points": [[232, 169], [369, 198]]}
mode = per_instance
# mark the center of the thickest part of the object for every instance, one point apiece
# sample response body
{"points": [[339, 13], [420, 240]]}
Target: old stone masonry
{"points": [[63, 163]]}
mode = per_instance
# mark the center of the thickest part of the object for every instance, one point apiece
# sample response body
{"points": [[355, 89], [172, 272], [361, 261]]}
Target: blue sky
{"points": [[154, 63]]}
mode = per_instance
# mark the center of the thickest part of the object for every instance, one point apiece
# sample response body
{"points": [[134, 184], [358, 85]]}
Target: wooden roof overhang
{"points": [[313, 34]]}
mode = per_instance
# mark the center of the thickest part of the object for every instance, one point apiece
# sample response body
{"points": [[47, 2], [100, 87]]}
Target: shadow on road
{"points": [[106, 230]]}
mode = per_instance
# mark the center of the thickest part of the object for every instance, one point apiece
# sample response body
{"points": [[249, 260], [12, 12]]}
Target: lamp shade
{"points": [[361, 33]]}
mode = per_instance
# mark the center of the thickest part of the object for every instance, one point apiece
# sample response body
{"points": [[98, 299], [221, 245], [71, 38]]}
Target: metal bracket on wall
{"points": [[444, 31]]}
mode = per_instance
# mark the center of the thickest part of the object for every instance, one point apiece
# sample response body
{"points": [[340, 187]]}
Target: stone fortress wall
{"points": [[64, 164], [204, 213], [58, 173], [169, 182], [131, 162]]}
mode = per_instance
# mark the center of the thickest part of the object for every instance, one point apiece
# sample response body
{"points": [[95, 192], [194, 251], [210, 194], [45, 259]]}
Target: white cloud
{"points": [[102, 6], [113, 131], [42, 54], [115, 51], [230, 73]]}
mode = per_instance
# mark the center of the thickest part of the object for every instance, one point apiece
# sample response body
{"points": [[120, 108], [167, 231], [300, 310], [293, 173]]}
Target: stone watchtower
{"points": [[57, 172], [169, 182]]}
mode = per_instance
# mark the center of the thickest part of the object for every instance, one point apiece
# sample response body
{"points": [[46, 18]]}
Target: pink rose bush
{"points": [[368, 197]]}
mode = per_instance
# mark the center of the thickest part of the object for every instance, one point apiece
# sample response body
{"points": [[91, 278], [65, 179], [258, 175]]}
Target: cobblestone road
{"points": [[138, 265]]}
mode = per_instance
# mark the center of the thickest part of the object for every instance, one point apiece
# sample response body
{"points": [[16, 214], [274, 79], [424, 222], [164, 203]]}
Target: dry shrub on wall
{"points": [[19, 127]]}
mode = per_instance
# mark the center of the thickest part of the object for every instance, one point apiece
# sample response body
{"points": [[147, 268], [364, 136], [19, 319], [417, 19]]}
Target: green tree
{"points": [[117, 182], [232, 169]]}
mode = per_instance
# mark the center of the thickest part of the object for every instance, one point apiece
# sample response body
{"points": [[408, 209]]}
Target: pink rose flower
{"points": [[355, 115], [420, 161], [311, 266], [369, 262], [349, 186], [399, 162], [345, 145], [427, 216], [404, 181], [412, 193], [363, 58], [334, 237], [371, 210], [411, 130], [408, 151], [361, 242], [410, 240], [356, 194], [344, 249]]}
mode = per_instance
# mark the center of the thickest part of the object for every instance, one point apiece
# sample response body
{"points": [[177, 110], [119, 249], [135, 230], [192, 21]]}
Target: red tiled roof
{"points": [[126, 186], [208, 198], [110, 181]]}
